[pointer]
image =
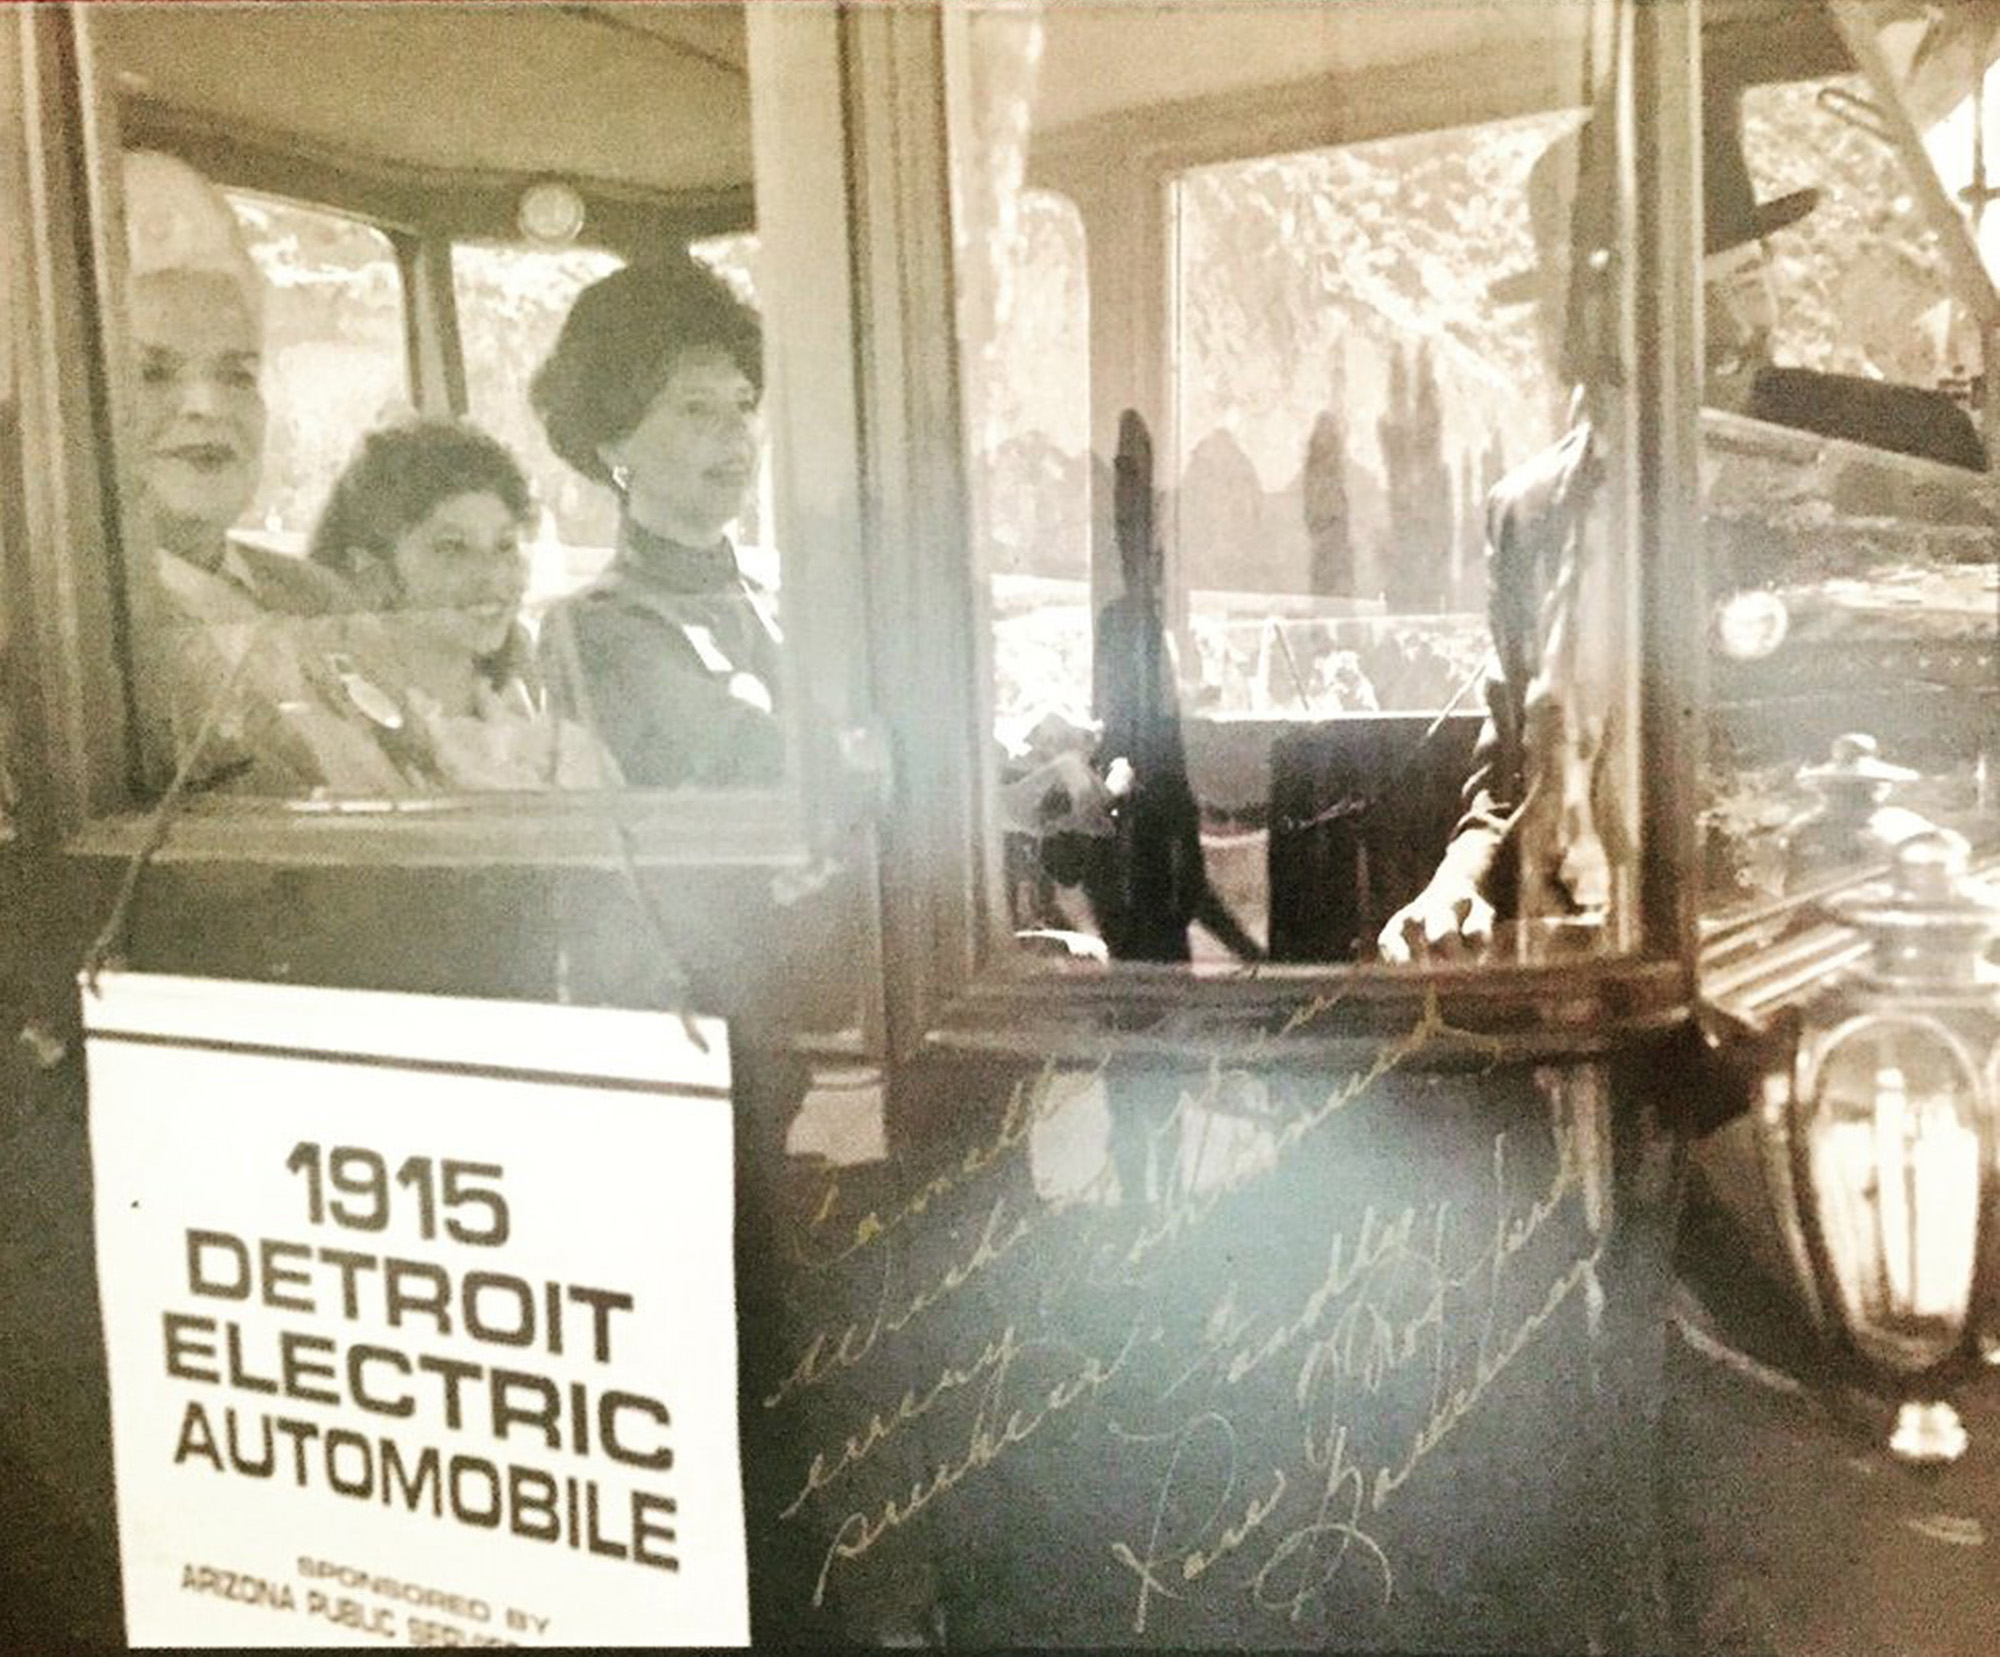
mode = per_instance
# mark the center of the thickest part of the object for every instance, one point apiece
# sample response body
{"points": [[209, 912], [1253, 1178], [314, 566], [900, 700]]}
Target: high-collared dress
{"points": [[671, 657]]}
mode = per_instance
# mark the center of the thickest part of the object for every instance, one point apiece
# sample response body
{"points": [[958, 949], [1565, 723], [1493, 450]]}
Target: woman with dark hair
{"points": [[424, 525], [672, 654]]}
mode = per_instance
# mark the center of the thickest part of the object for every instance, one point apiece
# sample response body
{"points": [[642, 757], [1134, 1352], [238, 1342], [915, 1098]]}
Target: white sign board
{"points": [[420, 1316]]}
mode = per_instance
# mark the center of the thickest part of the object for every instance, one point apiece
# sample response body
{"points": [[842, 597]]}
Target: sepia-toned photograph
{"points": [[1000, 823]]}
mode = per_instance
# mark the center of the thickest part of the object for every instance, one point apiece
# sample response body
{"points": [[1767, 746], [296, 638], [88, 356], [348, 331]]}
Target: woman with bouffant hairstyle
{"points": [[672, 655], [195, 304]]}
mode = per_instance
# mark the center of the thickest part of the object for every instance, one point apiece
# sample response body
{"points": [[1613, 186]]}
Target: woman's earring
{"points": [[621, 480]]}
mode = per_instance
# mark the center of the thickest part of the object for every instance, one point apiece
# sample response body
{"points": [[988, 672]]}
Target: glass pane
{"points": [[1861, 281], [575, 587], [734, 259], [1345, 572], [1938, 69], [1035, 448], [1850, 523], [334, 356], [1239, 662], [511, 305]]}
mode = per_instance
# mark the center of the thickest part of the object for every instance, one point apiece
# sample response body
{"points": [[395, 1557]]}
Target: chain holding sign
{"points": [[420, 1318]]}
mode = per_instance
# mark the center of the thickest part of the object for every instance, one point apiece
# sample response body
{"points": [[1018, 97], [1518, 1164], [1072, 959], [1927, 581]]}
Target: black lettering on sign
{"points": [[185, 1346], [239, 1587], [362, 1195], [461, 1487], [218, 1265], [365, 1359], [427, 1297]]}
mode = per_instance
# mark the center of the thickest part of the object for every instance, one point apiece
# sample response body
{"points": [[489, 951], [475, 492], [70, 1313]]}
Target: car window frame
{"points": [[967, 990], [107, 808]]}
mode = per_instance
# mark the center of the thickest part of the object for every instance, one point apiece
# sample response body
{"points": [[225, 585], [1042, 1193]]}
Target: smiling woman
{"points": [[426, 525], [201, 413], [653, 388], [427, 521], [195, 305], [321, 255], [196, 315]]}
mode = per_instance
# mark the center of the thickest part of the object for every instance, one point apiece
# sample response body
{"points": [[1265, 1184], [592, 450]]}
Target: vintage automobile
{"points": [[1125, 1254]]}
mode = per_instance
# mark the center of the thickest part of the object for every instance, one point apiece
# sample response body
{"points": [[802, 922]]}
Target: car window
{"points": [[1850, 525], [349, 594], [1336, 349]]}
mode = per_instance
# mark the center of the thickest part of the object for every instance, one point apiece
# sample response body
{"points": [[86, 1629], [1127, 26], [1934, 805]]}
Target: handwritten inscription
{"points": [[1269, 1438], [912, 1406], [1183, 1210], [1031, 1101], [1390, 1330], [999, 1425], [1218, 1535], [826, 1352]]}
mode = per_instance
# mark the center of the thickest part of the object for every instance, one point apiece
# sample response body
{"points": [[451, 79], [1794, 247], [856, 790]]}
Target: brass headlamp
{"points": [[1881, 1150]]}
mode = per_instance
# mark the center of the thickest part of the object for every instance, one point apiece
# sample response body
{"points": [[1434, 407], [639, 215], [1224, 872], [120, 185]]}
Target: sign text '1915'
{"points": [[362, 1192]]}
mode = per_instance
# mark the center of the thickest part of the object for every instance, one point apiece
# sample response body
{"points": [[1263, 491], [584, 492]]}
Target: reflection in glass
{"points": [[1349, 390], [1862, 285], [334, 353], [1347, 358], [1033, 489], [1850, 525], [1942, 69]]}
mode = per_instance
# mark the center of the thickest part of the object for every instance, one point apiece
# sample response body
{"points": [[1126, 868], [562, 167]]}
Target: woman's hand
{"points": [[497, 748]]}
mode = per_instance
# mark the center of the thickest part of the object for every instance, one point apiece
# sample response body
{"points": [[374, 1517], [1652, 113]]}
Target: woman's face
{"points": [[693, 458], [461, 574], [201, 411]]}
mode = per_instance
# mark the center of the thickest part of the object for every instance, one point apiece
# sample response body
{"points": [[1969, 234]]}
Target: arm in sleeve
{"points": [[1493, 791]]}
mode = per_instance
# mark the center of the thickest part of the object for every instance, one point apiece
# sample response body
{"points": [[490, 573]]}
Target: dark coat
{"points": [[1528, 519], [657, 668]]}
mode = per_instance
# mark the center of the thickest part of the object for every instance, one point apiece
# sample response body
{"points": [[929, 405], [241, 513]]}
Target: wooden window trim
{"points": [[96, 810], [973, 992]]}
